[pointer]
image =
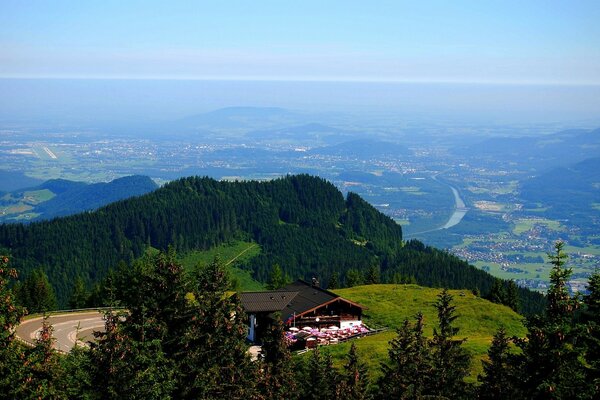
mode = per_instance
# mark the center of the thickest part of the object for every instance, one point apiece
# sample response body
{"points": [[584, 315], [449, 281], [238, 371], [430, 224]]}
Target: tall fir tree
{"points": [[277, 380], [408, 369], [450, 361], [212, 358], [11, 355], [551, 364], [497, 380], [355, 380], [320, 378]]}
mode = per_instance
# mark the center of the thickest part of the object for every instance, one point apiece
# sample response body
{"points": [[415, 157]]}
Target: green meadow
{"points": [[388, 305]]}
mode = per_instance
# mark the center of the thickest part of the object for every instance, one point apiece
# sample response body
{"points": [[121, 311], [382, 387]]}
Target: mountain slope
{"points": [[541, 152], [303, 223], [59, 197], [567, 192], [388, 305]]}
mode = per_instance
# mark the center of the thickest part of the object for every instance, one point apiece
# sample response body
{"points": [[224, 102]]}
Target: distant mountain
{"points": [[363, 148], [15, 180], [567, 192], [60, 197], [310, 133], [540, 152], [302, 223]]}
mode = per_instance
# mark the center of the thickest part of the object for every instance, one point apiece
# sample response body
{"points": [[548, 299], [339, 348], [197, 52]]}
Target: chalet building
{"points": [[299, 304]]}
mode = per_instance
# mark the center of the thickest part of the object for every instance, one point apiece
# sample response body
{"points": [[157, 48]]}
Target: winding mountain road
{"points": [[69, 328]]}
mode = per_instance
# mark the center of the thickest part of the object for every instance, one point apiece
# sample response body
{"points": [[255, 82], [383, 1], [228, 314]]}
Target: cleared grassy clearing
{"points": [[233, 255], [389, 305]]}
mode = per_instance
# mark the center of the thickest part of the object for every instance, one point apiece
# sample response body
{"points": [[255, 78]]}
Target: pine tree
{"points": [[79, 295], [320, 379], [333, 281], [355, 380], [450, 362], [372, 275], [497, 292], [11, 355], [42, 369], [277, 279], [552, 365], [512, 296], [212, 360], [277, 379], [353, 278], [407, 371], [591, 330], [497, 381], [36, 294]]}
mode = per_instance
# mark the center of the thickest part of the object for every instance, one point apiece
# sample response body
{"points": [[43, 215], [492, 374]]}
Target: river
{"points": [[460, 210]]}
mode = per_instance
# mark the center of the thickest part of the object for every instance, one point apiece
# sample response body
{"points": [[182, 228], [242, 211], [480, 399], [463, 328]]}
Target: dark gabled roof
{"points": [[254, 302], [309, 298], [294, 299]]}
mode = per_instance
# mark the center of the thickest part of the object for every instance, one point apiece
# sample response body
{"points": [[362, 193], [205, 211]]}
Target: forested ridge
{"points": [[302, 223]]}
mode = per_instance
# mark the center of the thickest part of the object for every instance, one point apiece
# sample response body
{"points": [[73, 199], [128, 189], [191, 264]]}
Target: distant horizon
{"points": [[306, 80], [106, 100]]}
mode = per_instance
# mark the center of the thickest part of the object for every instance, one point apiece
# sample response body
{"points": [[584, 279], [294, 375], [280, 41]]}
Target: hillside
{"points": [[60, 197], [388, 305], [569, 192], [303, 223], [540, 152]]}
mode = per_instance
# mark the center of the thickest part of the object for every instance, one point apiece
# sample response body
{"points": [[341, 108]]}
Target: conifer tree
{"points": [[497, 380], [213, 361], [353, 278], [277, 380], [11, 356], [333, 281], [320, 379], [407, 372], [450, 362], [79, 296], [591, 330], [355, 380], [42, 369], [552, 364], [372, 275], [277, 279], [36, 293]]}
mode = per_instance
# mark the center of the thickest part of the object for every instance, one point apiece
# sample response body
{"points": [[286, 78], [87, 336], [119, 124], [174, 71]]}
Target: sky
{"points": [[492, 42]]}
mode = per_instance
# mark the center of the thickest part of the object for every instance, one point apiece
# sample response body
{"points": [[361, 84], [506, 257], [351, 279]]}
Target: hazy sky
{"points": [[504, 41]]}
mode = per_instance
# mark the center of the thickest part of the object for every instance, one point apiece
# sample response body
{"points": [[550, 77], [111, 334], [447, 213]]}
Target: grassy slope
{"points": [[233, 255], [389, 305]]}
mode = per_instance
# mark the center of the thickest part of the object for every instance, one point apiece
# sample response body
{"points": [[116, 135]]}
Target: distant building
{"points": [[299, 304]]}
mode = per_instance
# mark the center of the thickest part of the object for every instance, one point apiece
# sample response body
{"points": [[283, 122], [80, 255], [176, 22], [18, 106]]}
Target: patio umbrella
{"points": [[294, 329]]}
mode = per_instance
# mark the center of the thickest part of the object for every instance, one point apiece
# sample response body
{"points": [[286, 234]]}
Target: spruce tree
{"points": [[277, 380], [497, 380], [333, 281], [354, 382], [320, 378], [11, 355], [591, 330], [79, 295], [552, 364], [213, 361], [277, 279], [36, 293], [450, 361], [408, 369]]}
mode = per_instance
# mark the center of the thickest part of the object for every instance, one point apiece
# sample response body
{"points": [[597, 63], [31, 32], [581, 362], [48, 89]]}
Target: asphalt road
{"points": [[68, 328]]}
